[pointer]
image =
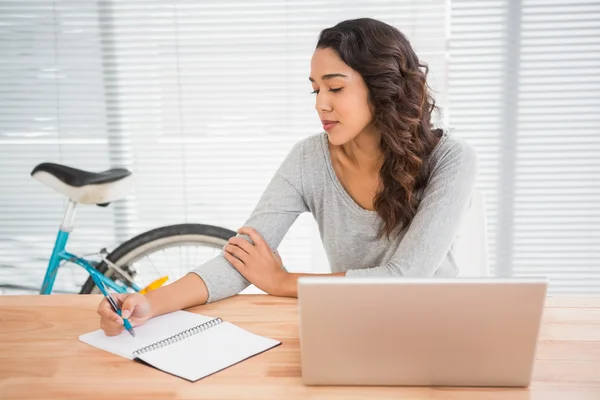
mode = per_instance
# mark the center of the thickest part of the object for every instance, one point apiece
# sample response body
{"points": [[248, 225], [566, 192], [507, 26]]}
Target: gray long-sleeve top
{"points": [[306, 182]]}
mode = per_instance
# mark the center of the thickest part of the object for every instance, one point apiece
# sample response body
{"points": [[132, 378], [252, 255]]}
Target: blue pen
{"points": [[113, 304]]}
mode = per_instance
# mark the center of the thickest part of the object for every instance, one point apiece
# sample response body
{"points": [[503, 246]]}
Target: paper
{"points": [[192, 356], [207, 352], [152, 331]]}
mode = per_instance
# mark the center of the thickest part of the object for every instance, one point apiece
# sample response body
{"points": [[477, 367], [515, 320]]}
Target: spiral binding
{"points": [[181, 335]]}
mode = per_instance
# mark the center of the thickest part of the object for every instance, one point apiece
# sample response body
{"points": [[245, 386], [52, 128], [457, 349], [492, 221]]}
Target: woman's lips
{"points": [[327, 125]]}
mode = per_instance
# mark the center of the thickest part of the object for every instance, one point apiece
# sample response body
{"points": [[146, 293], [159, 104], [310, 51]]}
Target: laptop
{"points": [[419, 332]]}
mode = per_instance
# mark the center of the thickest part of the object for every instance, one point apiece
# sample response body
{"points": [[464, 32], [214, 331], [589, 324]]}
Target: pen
{"points": [[113, 304]]}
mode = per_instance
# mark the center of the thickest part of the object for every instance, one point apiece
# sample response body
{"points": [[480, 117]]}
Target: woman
{"points": [[387, 190]]}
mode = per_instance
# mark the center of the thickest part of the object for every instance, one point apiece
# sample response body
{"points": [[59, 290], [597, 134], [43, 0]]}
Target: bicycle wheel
{"points": [[166, 251]]}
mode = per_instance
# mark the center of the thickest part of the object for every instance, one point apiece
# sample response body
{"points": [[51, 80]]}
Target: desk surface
{"points": [[41, 356]]}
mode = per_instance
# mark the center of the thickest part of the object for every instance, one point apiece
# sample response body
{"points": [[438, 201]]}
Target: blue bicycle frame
{"points": [[60, 254]]}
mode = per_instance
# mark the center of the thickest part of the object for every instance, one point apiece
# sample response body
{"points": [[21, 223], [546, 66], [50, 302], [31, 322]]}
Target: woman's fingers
{"points": [[237, 264], [236, 251], [256, 238], [135, 321], [243, 244], [113, 331], [106, 312], [135, 305], [110, 328]]}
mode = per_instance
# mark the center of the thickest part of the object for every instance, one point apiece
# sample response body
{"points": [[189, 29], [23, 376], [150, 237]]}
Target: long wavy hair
{"points": [[401, 105]]}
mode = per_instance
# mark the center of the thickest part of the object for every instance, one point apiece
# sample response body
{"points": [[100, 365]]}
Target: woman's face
{"points": [[341, 97]]}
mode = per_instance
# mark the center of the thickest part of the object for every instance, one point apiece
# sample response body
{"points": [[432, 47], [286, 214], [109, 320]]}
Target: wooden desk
{"points": [[41, 357]]}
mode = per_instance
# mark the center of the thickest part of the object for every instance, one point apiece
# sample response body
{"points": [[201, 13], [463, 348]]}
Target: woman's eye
{"points": [[331, 90]]}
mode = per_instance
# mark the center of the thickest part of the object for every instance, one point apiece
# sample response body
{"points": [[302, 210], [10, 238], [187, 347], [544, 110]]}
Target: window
{"points": [[524, 89]]}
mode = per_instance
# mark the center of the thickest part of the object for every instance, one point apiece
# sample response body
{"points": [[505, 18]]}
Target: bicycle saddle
{"points": [[83, 186]]}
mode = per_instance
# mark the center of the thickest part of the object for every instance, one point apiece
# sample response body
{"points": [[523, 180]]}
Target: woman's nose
{"points": [[322, 104]]}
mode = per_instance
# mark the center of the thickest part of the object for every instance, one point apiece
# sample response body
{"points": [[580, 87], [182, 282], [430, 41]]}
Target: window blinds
{"points": [[524, 88]]}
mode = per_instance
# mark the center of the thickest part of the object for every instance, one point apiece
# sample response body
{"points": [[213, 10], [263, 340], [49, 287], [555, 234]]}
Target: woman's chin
{"points": [[338, 138], [334, 140]]}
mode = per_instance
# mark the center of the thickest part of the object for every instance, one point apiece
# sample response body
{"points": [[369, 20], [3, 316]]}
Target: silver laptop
{"points": [[419, 332]]}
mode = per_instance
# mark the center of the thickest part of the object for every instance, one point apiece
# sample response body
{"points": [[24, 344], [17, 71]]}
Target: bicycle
{"points": [[122, 270]]}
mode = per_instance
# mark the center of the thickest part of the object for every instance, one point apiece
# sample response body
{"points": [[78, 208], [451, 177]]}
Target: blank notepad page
{"points": [[207, 352]]}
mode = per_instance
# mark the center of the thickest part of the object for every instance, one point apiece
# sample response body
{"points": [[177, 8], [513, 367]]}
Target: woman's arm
{"points": [[277, 209], [188, 291]]}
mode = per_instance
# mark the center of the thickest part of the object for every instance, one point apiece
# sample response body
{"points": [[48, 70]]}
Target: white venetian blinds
{"points": [[524, 88]]}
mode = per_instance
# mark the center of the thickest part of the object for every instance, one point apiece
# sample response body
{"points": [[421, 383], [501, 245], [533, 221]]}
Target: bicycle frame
{"points": [[59, 254]]}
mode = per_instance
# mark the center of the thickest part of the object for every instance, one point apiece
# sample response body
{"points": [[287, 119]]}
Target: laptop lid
{"points": [[419, 331]]}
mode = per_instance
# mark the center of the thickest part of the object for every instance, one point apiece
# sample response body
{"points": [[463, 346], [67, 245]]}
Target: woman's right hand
{"points": [[134, 306]]}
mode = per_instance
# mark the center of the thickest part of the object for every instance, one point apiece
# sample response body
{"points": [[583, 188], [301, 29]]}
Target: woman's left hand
{"points": [[257, 262]]}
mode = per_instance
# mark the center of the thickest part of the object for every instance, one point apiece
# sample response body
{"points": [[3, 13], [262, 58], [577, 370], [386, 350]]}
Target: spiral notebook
{"points": [[188, 345]]}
